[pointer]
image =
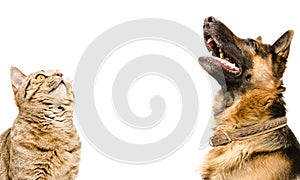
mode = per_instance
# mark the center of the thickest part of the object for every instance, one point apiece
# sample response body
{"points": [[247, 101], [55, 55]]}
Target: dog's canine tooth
{"points": [[221, 54], [209, 40]]}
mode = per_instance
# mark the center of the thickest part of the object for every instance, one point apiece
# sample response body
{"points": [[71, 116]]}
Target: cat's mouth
{"points": [[58, 86]]}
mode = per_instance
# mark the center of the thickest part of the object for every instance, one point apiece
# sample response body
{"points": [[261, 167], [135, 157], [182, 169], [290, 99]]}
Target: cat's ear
{"points": [[17, 78]]}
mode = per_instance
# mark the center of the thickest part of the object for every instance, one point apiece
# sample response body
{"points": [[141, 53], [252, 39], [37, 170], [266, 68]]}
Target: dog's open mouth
{"points": [[220, 57]]}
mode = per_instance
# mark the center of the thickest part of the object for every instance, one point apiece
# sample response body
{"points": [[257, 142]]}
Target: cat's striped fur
{"points": [[42, 142]]}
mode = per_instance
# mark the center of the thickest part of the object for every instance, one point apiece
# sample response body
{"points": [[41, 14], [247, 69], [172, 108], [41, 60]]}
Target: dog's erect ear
{"points": [[17, 78], [282, 46], [259, 39]]}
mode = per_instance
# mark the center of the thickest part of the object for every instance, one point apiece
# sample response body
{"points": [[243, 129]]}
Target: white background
{"points": [[54, 34]]}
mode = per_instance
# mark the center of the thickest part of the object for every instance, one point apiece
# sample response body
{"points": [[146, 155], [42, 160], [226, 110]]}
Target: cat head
{"points": [[41, 89]]}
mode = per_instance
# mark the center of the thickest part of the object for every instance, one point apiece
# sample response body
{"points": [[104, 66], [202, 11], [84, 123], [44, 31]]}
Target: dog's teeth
{"points": [[210, 40], [232, 65], [221, 55], [228, 63]]}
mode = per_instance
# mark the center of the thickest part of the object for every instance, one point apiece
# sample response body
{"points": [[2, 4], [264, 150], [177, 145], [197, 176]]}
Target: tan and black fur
{"points": [[42, 142], [251, 94]]}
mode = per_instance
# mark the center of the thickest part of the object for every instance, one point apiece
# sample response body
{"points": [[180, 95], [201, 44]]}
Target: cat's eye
{"points": [[40, 77]]}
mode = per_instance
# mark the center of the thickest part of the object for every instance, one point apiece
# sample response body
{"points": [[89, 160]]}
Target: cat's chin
{"points": [[59, 91]]}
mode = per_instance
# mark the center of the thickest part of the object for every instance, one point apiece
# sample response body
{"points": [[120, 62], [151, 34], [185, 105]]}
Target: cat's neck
{"points": [[46, 115]]}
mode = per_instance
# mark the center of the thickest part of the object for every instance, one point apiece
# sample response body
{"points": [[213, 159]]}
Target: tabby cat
{"points": [[42, 142]]}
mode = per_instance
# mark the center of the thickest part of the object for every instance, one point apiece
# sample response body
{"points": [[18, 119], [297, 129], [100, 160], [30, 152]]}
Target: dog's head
{"points": [[243, 64]]}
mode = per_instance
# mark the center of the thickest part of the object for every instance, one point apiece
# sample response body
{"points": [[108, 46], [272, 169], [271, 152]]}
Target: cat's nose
{"points": [[58, 73]]}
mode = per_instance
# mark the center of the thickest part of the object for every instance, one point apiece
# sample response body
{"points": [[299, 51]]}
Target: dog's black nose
{"points": [[209, 19]]}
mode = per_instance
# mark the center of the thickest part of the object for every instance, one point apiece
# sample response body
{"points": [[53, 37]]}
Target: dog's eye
{"points": [[251, 43], [248, 77]]}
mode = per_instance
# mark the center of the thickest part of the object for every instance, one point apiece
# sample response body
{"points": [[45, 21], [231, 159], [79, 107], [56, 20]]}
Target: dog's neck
{"points": [[234, 109]]}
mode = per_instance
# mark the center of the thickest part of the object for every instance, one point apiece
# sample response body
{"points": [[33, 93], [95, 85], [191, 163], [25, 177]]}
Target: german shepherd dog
{"points": [[251, 138]]}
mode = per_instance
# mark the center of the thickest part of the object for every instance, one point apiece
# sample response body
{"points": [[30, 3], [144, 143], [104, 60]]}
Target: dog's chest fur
{"points": [[245, 159]]}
